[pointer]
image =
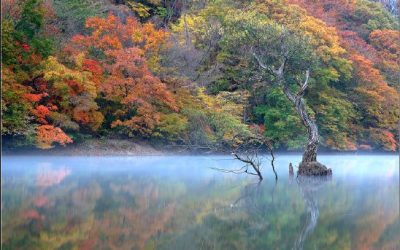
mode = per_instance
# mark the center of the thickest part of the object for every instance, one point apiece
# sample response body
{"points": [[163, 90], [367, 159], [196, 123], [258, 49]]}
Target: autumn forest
{"points": [[195, 124], [200, 73]]}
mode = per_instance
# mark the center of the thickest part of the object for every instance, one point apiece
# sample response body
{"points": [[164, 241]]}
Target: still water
{"points": [[181, 202]]}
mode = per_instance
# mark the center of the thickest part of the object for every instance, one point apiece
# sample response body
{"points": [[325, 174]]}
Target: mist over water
{"points": [[180, 202]]}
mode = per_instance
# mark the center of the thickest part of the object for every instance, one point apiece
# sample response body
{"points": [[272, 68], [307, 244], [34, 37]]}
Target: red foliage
{"points": [[41, 112], [95, 68], [25, 47]]}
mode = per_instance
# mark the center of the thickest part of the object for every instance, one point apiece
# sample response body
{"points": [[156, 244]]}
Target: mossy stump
{"points": [[313, 168]]}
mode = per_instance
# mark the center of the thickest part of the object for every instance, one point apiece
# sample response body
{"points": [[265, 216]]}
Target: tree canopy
{"points": [[189, 73]]}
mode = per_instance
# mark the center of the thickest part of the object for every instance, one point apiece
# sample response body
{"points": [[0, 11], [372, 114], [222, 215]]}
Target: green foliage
{"points": [[29, 26], [282, 125], [373, 16], [161, 11], [172, 127], [216, 121], [31, 20], [8, 46], [14, 111], [199, 128], [141, 9], [22, 37], [334, 114], [15, 117], [72, 14]]}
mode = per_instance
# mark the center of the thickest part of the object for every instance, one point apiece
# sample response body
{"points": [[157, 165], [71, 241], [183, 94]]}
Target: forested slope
{"points": [[177, 72]]}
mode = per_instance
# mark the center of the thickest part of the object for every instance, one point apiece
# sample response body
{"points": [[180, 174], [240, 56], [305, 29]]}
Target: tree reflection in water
{"points": [[309, 186], [262, 210], [56, 207]]}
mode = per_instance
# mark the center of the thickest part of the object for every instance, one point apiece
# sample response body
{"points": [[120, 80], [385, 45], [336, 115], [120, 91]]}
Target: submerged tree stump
{"points": [[313, 168]]}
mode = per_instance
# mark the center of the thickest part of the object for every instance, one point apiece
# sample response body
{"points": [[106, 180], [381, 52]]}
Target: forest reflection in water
{"points": [[181, 203]]}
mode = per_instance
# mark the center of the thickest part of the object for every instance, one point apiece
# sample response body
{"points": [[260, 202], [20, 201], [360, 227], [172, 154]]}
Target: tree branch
{"points": [[252, 163], [279, 72], [303, 86], [262, 65]]}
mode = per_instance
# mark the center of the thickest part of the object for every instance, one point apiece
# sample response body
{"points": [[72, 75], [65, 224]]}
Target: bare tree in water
{"points": [[251, 153]]}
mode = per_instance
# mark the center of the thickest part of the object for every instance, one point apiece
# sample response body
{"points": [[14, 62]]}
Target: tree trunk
{"points": [[309, 164], [310, 153]]}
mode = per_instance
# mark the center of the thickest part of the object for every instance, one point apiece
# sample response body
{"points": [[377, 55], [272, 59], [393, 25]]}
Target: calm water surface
{"points": [[182, 203]]}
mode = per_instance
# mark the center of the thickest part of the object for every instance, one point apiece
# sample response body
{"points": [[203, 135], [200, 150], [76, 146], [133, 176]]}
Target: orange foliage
{"points": [[71, 93], [129, 47], [387, 44], [111, 33], [83, 114], [133, 84], [372, 83], [387, 40], [380, 101], [41, 112], [47, 135], [33, 97]]}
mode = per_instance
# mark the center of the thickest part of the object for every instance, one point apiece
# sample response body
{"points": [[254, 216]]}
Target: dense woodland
{"points": [[186, 72]]}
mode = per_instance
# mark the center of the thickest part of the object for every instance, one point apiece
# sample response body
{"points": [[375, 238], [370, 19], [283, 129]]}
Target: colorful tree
{"points": [[369, 34], [24, 46], [386, 43], [126, 51], [72, 93], [47, 135]]}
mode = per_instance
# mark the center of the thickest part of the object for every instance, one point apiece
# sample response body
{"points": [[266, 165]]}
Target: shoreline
{"points": [[124, 147]]}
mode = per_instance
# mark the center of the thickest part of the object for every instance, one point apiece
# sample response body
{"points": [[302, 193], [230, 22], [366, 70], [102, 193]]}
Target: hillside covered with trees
{"points": [[196, 73]]}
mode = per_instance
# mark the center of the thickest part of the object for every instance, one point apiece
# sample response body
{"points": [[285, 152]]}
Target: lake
{"points": [[182, 202]]}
